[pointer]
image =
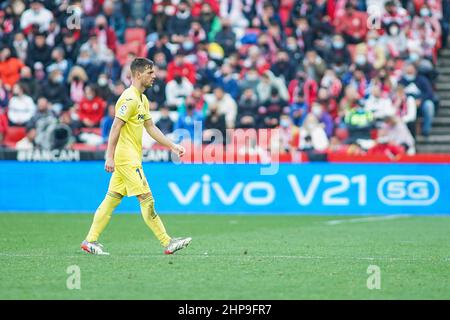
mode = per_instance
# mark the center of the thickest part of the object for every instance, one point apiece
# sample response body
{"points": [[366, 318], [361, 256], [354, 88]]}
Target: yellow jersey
{"points": [[133, 108]]}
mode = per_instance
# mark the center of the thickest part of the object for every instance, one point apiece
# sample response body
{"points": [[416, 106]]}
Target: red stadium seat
{"points": [[14, 134], [135, 34]]}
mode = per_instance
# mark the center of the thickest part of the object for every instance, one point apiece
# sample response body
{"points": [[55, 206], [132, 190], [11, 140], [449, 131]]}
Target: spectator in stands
{"points": [[214, 123], [379, 106], [182, 67], [159, 19], [210, 20], [397, 133], [324, 118], [30, 84], [70, 46], [37, 14], [27, 142], [226, 37], [55, 90], [232, 10], [396, 14], [106, 35], [43, 119], [91, 108], [247, 109], [420, 87], [160, 46], [177, 90], [352, 24], [20, 46], [288, 134], [21, 107], [191, 121], [107, 121], [267, 83], [59, 62], [114, 18], [271, 110], [165, 123], [359, 123], [394, 40], [10, 67], [39, 51], [157, 92], [314, 65], [405, 108], [312, 135], [298, 109], [283, 68], [179, 24], [228, 81], [77, 79], [226, 105]]}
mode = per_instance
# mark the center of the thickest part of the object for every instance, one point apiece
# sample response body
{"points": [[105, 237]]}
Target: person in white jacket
{"points": [[226, 105], [21, 108], [177, 90], [37, 14], [380, 107]]}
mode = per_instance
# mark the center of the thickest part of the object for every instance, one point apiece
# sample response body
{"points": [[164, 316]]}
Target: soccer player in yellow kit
{"points": [[124, 160]]}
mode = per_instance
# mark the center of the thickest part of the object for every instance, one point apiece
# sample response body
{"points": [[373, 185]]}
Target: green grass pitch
{"points": [[231, 257]]}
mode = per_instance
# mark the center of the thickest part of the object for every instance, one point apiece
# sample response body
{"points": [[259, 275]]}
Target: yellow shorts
{"points": [[128, 181]]}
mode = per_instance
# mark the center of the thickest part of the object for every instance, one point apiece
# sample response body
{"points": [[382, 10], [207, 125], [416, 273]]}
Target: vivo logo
{"points": [[400, 190], [258, 193]]}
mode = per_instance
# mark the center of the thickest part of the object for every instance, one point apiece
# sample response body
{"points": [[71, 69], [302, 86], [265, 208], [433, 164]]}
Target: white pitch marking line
{"points": [[144, 256], [368, 219]]}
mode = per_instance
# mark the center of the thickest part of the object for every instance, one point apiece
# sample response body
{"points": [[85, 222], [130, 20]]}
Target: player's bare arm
{"points": [[156, 134], [112, 143]]}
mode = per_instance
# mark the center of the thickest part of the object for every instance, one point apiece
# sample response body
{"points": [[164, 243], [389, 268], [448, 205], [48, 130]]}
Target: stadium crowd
{"points": [[335, 76]]}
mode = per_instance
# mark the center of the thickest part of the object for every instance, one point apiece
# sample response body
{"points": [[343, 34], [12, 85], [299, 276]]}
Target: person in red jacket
{"points": [[9, 67], [105, 34], [91, 108], [352, 24], [180, 66]]}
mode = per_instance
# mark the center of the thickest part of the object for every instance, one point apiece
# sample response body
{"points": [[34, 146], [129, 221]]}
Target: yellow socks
{"points": [[153, 221], [102, 215]]}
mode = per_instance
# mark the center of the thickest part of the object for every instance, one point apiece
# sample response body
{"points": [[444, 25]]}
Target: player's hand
{"points": [[109, 165], [179, 150]]}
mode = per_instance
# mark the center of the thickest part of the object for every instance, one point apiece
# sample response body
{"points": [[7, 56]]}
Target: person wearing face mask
{"points": [[214, 123], [180, 66], [420, 87], [21, 107], [179, 24], [324, 118], [105, 34], [30, 84], [208, 17], [58, 62], [359, 122], [226, 37], [394, 40], [338, 51], [165, 123], [177, 90], [56, 91]]}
